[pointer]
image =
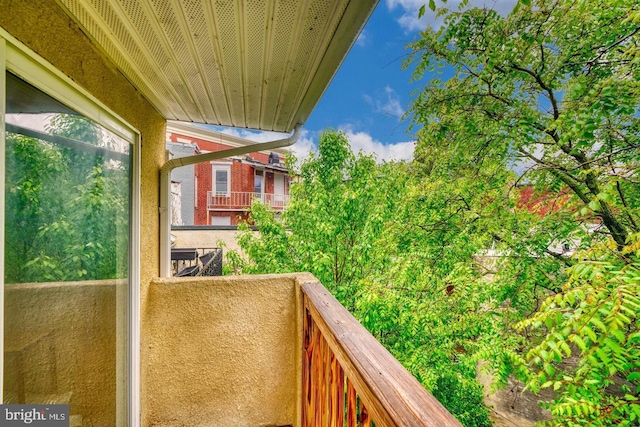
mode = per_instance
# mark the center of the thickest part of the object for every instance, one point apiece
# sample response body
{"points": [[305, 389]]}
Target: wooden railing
{"points": [[350, 379], [237, 200]]}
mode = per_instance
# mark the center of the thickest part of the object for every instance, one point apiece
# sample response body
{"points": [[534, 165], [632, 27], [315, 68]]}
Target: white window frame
{"points": [[195, 191], [263, 182], [26, 64], [226, 167]]}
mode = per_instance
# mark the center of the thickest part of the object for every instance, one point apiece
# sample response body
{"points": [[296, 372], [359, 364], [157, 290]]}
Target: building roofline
{"points": [[195, 131]]}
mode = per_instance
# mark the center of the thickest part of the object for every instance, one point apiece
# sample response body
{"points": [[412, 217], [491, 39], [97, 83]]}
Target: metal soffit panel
{"points": [[260, 64]]}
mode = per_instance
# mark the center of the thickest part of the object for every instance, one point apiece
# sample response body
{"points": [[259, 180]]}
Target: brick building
{"points": [[221, 192]]}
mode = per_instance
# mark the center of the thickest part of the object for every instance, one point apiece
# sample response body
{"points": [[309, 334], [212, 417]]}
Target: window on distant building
{"points": [[220, 220], [258, 182], [221, 179]]}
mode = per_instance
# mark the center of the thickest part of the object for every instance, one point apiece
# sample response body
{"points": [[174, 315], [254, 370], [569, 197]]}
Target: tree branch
{"points": [[545, 87], [604, 156]]}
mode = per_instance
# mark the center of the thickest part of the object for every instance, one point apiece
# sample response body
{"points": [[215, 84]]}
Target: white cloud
{"points": [[307, 143], [252, 135], [359, 141], [409, 19], [363, 38], [362, 141], [390, 105]]}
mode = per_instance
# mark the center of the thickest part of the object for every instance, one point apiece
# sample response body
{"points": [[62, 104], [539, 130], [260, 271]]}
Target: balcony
{"points": [[239, 201], [272, 350]]}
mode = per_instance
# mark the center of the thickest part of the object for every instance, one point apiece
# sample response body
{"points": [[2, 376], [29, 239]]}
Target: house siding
{"points": [[184, 175]]}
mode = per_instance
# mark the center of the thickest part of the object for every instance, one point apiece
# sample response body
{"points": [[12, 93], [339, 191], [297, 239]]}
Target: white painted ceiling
{"points": [[259, 64]]}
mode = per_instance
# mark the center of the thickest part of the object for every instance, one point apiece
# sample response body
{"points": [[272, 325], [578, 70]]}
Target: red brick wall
{"points": [[242, 179], [236, 216], [204, 173], [216, 146]]}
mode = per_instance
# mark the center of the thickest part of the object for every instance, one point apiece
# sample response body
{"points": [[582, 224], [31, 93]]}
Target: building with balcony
{"points": [[90, 315], [221, 192]]}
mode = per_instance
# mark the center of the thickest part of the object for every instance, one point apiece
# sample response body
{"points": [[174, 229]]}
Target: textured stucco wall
{"points": [[44, 27], [205, 238], [224, 351], [64, 335]]}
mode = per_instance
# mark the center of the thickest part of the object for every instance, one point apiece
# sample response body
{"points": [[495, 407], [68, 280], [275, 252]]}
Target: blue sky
{"points": [[370, 92]]}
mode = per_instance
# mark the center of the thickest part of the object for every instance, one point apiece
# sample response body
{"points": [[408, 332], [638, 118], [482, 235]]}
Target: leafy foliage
{"points": [[551, 93], [345, 223], [590, 353], [513, 236], [65, 209]]}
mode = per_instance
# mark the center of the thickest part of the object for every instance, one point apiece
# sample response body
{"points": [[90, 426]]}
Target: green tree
{"points": [[335, 214], [550, 92], [452, 265], [346, 223]]}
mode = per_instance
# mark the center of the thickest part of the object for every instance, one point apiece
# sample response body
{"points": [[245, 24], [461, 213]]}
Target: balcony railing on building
{"points": [[237, 200], [271, 350]]}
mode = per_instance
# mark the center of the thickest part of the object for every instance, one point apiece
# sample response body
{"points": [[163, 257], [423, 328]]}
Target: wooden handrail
{"points": [[339, 350]]}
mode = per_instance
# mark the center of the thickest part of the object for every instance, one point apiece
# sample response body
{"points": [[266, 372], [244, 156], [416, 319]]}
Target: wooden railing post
{"points": [[348, 375]]}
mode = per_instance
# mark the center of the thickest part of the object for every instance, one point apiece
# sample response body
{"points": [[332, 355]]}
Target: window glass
{"points": [[257, 182], [67, 233], [222, 181]]}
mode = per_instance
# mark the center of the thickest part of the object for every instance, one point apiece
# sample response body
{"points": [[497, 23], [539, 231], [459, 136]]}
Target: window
{"points": [[221, 179], [68, 225], [258, 182], [220, 220]]}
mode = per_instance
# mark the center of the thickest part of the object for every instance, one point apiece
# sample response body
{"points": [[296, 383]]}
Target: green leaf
{"points": [[432, 5]]}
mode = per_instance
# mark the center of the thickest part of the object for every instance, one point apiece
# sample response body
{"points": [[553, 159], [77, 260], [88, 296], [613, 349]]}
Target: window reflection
{"points": [[67, 205]]}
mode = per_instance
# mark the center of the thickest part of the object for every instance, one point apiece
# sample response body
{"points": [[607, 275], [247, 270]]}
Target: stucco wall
{"points": [[512, 406], [43, 26], [207, 238], [223, 351], [61, 340]]}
